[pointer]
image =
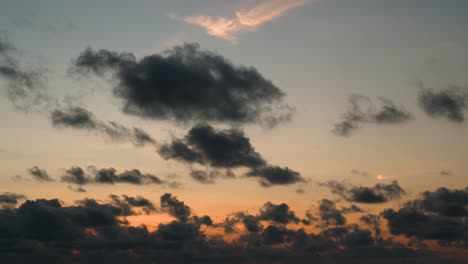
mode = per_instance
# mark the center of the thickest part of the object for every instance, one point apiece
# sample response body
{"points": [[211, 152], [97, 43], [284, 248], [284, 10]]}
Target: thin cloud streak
{"points": [[246, 19]]}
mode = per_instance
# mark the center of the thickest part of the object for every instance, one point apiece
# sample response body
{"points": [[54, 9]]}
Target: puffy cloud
{"points": [[186, 83], [227, 149], [361, 110], [437, 215], [39, 174], [7, 199], [379, 193], [279, 213], [449, 103]]}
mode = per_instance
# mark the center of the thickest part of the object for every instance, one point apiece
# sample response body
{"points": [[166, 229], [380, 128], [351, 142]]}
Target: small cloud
{"points": [[246, 19], [445, 173]]}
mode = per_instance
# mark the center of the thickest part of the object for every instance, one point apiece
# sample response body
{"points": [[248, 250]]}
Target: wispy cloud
{"points": [[245, 19]]}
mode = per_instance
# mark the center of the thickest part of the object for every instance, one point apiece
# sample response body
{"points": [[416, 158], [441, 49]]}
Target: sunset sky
{"points": [[240, 106]]}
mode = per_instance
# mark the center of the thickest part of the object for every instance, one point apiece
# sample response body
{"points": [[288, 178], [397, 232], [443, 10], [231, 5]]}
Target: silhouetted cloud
{"points": [[80, 118], [435, 215], [361, 110], [228, 149], [379, 193], [449, 103], [39, 174], [78, 176], [8, 199], [274, 175], [279, 213], [174, 207], [445, 173], [186, 83], [360, 173]]}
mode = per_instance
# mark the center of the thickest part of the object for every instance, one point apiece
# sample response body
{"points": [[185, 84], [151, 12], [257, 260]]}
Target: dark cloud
{"points": [[175, 208], [218, 148], [186, 83], [227, 149], [77, 189], [274, 175], [78, 176], [25, 87], [361, 110], [329, 214], [39, 174], [438, 215], [379, 193], [449, 103], [10, 198], [209, 176], [279, 213], [47, 231], [80, 118]]}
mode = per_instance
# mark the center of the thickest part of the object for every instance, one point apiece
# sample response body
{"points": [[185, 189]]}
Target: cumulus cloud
{"points": [[245, 19], [175, 208], [186, 83], [80, 118], [39, 174], [227, 149], [361, 110], [449, 103], [379, 193]]}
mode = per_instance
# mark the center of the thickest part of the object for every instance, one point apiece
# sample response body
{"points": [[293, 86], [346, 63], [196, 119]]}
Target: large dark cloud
{"points": [[80, 118], [379, 193], [186, 83], [361, 110], [39, 174], [439, 215], [25, 87], [227, 149], [449, 103]]}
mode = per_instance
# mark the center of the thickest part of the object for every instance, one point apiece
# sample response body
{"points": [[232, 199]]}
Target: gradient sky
{"points": [[317, 52]]}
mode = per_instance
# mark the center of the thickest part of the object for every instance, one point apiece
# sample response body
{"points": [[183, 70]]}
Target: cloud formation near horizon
{"points": [[246, 19]]}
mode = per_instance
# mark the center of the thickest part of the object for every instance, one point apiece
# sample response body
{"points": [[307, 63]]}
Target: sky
{"points": [[162, 112]]}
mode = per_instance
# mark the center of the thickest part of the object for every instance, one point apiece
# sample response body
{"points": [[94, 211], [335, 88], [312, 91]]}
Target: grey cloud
{"points": [[80, 118], [379, 193], [361, 110], [39, 174], [449, 103]]}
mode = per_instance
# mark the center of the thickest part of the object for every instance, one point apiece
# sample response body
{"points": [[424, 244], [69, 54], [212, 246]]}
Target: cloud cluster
{"points": [[226, 149], [186, 83], [10, 199], [246, 19], [379, 193], [449, 103], [361, 110], [80, 118], [81, 232], [436, 215]]}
